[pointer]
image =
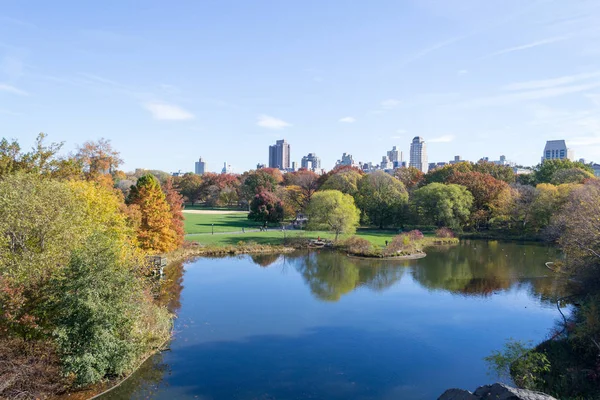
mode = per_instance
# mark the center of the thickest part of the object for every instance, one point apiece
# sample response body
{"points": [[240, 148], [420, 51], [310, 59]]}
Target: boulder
{"points": [[497, 391]]}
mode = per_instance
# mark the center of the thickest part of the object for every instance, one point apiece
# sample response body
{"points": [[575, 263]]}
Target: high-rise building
{"points": [[226, 168], [311, 162], [347, 159], [279, 155], [395, 156], [456, 160], [386, 163], [200, 167], [557, 150], [418, 154]]}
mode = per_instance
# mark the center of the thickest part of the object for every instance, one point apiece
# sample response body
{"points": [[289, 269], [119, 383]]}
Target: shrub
{"points": [[444, 233], [415, 235], [105, 321], [358, 245]]}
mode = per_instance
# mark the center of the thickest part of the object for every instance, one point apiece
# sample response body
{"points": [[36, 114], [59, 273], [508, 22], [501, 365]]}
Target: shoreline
{"points": [[406, 257]]}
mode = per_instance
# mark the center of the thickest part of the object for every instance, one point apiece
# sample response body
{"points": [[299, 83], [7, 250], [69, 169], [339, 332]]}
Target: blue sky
{"points": [[168, 82]]}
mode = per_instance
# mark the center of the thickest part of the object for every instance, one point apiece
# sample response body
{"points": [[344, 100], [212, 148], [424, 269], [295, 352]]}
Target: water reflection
{"points": [[331, 274], [311, 325], [473, 268]]}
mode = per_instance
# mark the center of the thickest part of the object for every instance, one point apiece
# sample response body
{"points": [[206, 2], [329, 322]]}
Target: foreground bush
{"points": [[104, 321], [358, 245]]}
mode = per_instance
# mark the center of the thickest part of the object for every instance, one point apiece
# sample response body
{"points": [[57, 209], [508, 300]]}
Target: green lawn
{"points": [[200, 228]]}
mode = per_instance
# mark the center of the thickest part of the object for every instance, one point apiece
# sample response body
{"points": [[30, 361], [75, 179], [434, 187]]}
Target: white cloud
{"points": [[442, 139], [401, 131], [462, 72], [348, 120], [390, 103], [168, 112], [553, 82], [11, 89], [269, 122], [528, 46]]}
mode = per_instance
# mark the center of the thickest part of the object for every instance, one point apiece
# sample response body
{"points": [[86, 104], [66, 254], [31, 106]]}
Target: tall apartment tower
{"points": [[557, 150], [279, 155], [200, 167], [418, 154], [395, 157], [311, 162]]}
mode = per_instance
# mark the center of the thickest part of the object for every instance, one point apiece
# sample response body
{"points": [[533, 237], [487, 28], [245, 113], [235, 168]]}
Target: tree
{"points": [[570, 175], [490, 195], [266, 207], [334, 211], [155, 233], [175, 202], [98, 157], [381, 198], [190, 187], [443, 174], [305, 183], [501, 172], [411, 177], [42, 159], [442, 205], [546, 170], [521, 208], [345, 180]]}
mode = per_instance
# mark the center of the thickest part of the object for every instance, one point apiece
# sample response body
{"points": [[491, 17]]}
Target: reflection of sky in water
{"points": [[251, 332]]}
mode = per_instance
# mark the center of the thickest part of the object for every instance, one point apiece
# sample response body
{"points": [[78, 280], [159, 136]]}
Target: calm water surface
{"points": [[319, 325]]}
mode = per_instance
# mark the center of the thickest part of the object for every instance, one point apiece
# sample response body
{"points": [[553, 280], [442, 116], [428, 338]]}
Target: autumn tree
{"points": [[98, 157], [266, 207], [443, 174], [381, 198], [411, 177], [189, 186], [501, 172], [442, 205], [155, 233], [301, 186], [175, 202], [490, 195], [333, 211]]}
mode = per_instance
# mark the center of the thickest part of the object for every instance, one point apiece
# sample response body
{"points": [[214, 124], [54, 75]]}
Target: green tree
{"points": [[382, 199], [546, 170], [570, 175], [501, 172], [442, 205], [155, 233], [346, 181], [334, 211]]}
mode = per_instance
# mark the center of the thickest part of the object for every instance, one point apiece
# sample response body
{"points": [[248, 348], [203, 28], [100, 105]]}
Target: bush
{"points": [[105, 321], [415, 235], [358, 245], [444, 233]]}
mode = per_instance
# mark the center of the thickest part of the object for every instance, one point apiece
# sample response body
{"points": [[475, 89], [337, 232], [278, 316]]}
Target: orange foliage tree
{"points": [[155, 232]]}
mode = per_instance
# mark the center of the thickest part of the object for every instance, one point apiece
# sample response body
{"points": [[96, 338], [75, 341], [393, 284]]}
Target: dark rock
{"points": [[497, 391], [458, 394]]}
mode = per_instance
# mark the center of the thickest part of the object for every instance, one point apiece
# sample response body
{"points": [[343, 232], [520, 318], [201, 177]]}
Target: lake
{"points": [[320, 325]]}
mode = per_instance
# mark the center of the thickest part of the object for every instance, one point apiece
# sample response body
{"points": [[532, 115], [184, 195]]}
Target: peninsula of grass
{"points": [[234, 233]]}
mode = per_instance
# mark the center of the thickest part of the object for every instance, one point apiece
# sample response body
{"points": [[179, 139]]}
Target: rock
{"points": [[497, 391], [458, 394]]}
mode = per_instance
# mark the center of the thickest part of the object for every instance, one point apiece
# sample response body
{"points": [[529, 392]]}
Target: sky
{"points": [[168, 82]]}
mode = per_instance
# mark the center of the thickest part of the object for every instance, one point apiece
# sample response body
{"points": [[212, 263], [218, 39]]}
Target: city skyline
{"points": [[472, 77]]}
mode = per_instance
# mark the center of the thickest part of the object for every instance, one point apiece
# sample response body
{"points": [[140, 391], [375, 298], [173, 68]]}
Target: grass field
{"points": [[227, 229]]}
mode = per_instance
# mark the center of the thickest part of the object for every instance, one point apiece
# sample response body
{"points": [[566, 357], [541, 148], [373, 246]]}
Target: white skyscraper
{"points": [[418, 154]]}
